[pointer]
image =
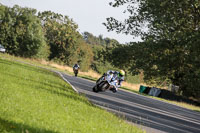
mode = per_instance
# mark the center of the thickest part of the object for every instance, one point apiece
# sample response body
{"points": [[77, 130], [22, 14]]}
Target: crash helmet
{"points": [[121, 73]]}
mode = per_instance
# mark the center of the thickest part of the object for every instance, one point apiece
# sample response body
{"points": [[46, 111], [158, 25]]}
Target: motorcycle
{"points": [[107, 82], [75, 71]]}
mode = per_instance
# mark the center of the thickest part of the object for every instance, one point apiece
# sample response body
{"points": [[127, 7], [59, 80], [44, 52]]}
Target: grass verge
{"points": [[34, 100]]}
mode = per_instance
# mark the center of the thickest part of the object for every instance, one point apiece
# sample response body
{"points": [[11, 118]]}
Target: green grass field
{"points": [[34, 100]]}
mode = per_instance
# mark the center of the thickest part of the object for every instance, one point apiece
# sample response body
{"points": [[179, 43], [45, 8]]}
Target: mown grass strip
{"points": [[36, 100]]}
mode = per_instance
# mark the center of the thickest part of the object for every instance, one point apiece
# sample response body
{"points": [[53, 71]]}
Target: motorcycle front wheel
{"points": [[95, 89]]}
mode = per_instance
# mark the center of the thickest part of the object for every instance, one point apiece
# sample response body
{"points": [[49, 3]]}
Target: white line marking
{"points": [[156, 123], [162, 112], [67, 81]]}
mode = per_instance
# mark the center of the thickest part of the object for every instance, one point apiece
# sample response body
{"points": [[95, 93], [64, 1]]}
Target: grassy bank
{"points": [[36, 100]]}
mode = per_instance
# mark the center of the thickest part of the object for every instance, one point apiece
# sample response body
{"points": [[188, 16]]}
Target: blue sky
{"points": [[88, 14]]}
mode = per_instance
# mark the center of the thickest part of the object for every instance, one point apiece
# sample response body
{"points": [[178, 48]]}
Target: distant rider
{"points": [[75, 69], [76, 66], [119, 75]]}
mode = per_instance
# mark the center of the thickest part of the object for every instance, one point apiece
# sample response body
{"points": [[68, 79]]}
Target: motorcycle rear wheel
{"points": [[95, 89]]}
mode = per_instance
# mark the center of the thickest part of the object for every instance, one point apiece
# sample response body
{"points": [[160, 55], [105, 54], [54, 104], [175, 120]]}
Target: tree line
{"points": [[170, 30], [27, 33]]}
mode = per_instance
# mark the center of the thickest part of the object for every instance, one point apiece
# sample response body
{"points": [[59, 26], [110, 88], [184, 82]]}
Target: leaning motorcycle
{"points": [[75, 71], [107, 82]]}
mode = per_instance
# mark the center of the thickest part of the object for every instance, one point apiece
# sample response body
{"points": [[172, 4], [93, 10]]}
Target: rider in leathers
{"points": [[76, 65], [119, 76]]}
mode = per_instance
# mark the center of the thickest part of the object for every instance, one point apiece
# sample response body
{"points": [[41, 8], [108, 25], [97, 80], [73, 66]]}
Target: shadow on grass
{"points": [[168, 95], [10, 126], [197, 111]]}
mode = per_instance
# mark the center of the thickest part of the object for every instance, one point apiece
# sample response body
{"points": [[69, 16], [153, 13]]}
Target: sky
{"points": [[88, 14]]}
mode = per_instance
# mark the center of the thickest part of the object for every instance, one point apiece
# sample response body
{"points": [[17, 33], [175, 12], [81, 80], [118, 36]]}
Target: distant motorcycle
{"points": [[76, 71], [107, 82]]}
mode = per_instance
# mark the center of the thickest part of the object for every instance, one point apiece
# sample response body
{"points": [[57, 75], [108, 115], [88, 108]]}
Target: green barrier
{"points": [[142, 88]]}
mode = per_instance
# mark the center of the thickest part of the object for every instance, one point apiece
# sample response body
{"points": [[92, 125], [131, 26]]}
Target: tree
{"points": [[171, 42], [66, 43], [93, 40], [61, 34], [101, 48], [21, 32]]}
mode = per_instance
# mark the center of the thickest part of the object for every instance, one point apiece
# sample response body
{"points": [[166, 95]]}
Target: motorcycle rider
{"points": [[119, 75], [75, 67]]}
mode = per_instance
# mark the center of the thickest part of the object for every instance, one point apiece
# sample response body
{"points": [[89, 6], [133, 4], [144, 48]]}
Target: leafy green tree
{"points": [[170, 31], [101, 47], [21, 32], [66, 43], [85, 56], [61, 35], [93, 40]]}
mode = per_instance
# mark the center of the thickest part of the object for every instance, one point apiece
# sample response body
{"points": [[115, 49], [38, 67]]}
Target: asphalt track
{"points": [[153, 115]]}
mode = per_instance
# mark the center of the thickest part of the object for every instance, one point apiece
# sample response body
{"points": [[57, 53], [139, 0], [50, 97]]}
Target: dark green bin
{"points": [[142, 88]]}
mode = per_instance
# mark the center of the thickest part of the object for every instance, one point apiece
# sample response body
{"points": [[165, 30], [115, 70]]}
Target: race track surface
{"points": [[155, 115]]}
